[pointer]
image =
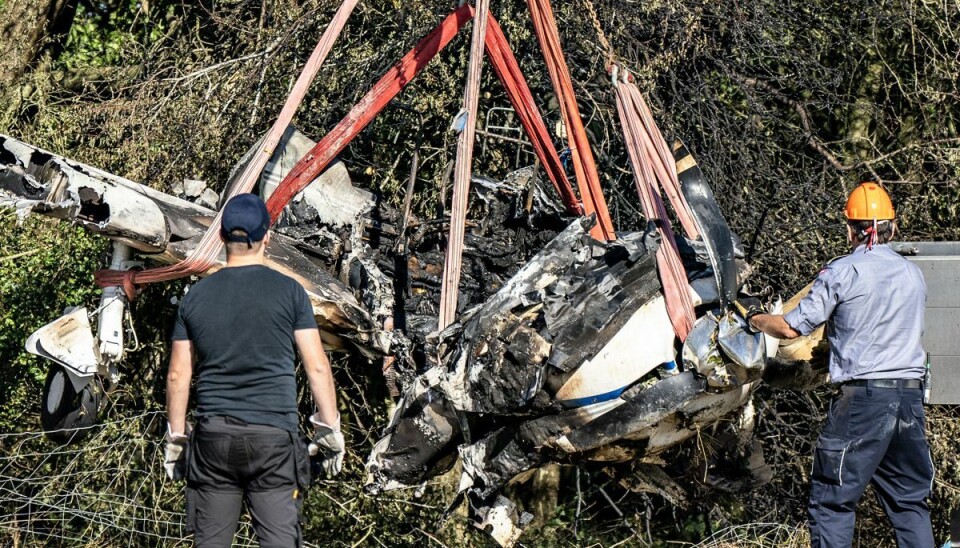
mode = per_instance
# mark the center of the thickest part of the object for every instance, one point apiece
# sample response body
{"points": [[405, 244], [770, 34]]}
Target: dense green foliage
{"points": [[786, 105], [43, 262]]}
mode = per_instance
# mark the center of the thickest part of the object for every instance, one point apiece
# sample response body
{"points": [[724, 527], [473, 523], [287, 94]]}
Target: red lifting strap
{"points": [[505, 65], [508, 71], [545, 26], [401, 74], [395, 79]]}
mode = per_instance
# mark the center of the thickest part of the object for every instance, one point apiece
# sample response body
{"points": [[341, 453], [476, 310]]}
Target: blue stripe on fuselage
{"points": [[589, 400]]}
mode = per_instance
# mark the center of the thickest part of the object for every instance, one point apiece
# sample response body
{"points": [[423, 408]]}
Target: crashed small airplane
{"points": [[569, 342], [568, 355], [533, 333]]}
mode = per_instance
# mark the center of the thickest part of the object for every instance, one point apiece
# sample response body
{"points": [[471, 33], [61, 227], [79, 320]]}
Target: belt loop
{"points": [[869, 389]]}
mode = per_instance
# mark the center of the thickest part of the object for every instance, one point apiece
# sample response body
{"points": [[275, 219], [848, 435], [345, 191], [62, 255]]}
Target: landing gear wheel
{"points": [[66, 414]]}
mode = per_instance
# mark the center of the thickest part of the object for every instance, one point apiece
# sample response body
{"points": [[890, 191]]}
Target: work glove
{"points": [[328, 445], [175, 453], [746, 308]]}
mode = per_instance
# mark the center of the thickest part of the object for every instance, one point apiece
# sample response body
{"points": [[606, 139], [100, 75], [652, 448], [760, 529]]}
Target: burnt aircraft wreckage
{"points": [[563, 350], [533, 334]]}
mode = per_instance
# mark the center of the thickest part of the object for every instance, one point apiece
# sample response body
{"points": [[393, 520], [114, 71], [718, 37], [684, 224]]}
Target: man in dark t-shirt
{"points": [[239, 326]]}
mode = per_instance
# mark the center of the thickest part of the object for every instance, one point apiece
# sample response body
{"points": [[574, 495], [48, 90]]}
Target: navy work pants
{"points": [[230, 462], [873, 435]]}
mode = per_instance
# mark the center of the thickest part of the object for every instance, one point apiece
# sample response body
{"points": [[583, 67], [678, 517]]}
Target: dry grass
{"points": [[759, 535]]}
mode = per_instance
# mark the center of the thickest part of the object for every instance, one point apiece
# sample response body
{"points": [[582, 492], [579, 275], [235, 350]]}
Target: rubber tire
{"points": [[65, 414]]}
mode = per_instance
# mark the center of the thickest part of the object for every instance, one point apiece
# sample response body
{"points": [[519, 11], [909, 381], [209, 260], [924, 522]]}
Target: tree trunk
{"points": [[27, 28], [544, 489]]}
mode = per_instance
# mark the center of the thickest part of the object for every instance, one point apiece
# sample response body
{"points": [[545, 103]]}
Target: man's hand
{"points": [[747, 308], [174, 458], [328, 443]]}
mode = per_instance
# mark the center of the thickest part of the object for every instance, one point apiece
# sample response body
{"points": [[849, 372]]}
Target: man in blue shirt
{"points": [[872, 301]]}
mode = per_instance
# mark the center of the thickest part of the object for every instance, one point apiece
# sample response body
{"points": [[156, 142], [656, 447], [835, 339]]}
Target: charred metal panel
{"points": [[490, 463], [419, 443], [645, 342], [705, 409], [644, 407], [596, 298], [481, 377]]}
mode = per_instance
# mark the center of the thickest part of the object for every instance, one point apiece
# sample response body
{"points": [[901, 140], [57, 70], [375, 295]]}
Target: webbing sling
{"points": [[393, 81], [584, 165], [204, 256], [644, 158], [463, 166], [311, 165], [664, 164]]}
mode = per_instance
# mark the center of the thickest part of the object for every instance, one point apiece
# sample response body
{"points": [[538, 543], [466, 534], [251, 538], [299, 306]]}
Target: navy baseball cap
{"points": [[248, 213]]}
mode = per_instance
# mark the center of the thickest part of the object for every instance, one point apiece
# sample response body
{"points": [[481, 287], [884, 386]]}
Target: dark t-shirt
{"points": [[241, 322]]}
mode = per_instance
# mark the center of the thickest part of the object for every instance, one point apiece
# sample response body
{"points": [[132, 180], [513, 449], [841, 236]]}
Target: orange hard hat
{"points": [[869, 202]]}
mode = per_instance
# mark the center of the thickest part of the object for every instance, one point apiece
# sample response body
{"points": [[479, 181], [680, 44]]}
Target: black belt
{"points": [[886, 383]]}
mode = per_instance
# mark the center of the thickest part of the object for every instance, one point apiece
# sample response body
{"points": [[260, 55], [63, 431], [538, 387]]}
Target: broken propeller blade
{"points": [[713, 226]]}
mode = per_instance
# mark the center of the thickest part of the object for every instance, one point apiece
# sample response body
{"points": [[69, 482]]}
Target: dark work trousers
{"points": [[230, 462], [873, 435]]}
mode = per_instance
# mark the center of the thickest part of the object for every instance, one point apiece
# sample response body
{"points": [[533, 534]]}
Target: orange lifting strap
{"points": [[545, 27]]}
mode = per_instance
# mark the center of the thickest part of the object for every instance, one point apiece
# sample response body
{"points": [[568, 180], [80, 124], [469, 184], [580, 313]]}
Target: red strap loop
{"points": [[130, 284], [644, 156]]}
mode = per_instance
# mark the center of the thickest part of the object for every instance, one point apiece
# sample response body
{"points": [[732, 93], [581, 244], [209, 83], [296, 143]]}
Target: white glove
{"points": [[174, 458], [328, 444]]}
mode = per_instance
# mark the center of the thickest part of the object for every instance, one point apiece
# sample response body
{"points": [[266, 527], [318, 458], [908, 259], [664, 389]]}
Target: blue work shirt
{"points": [[873, 302]]}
